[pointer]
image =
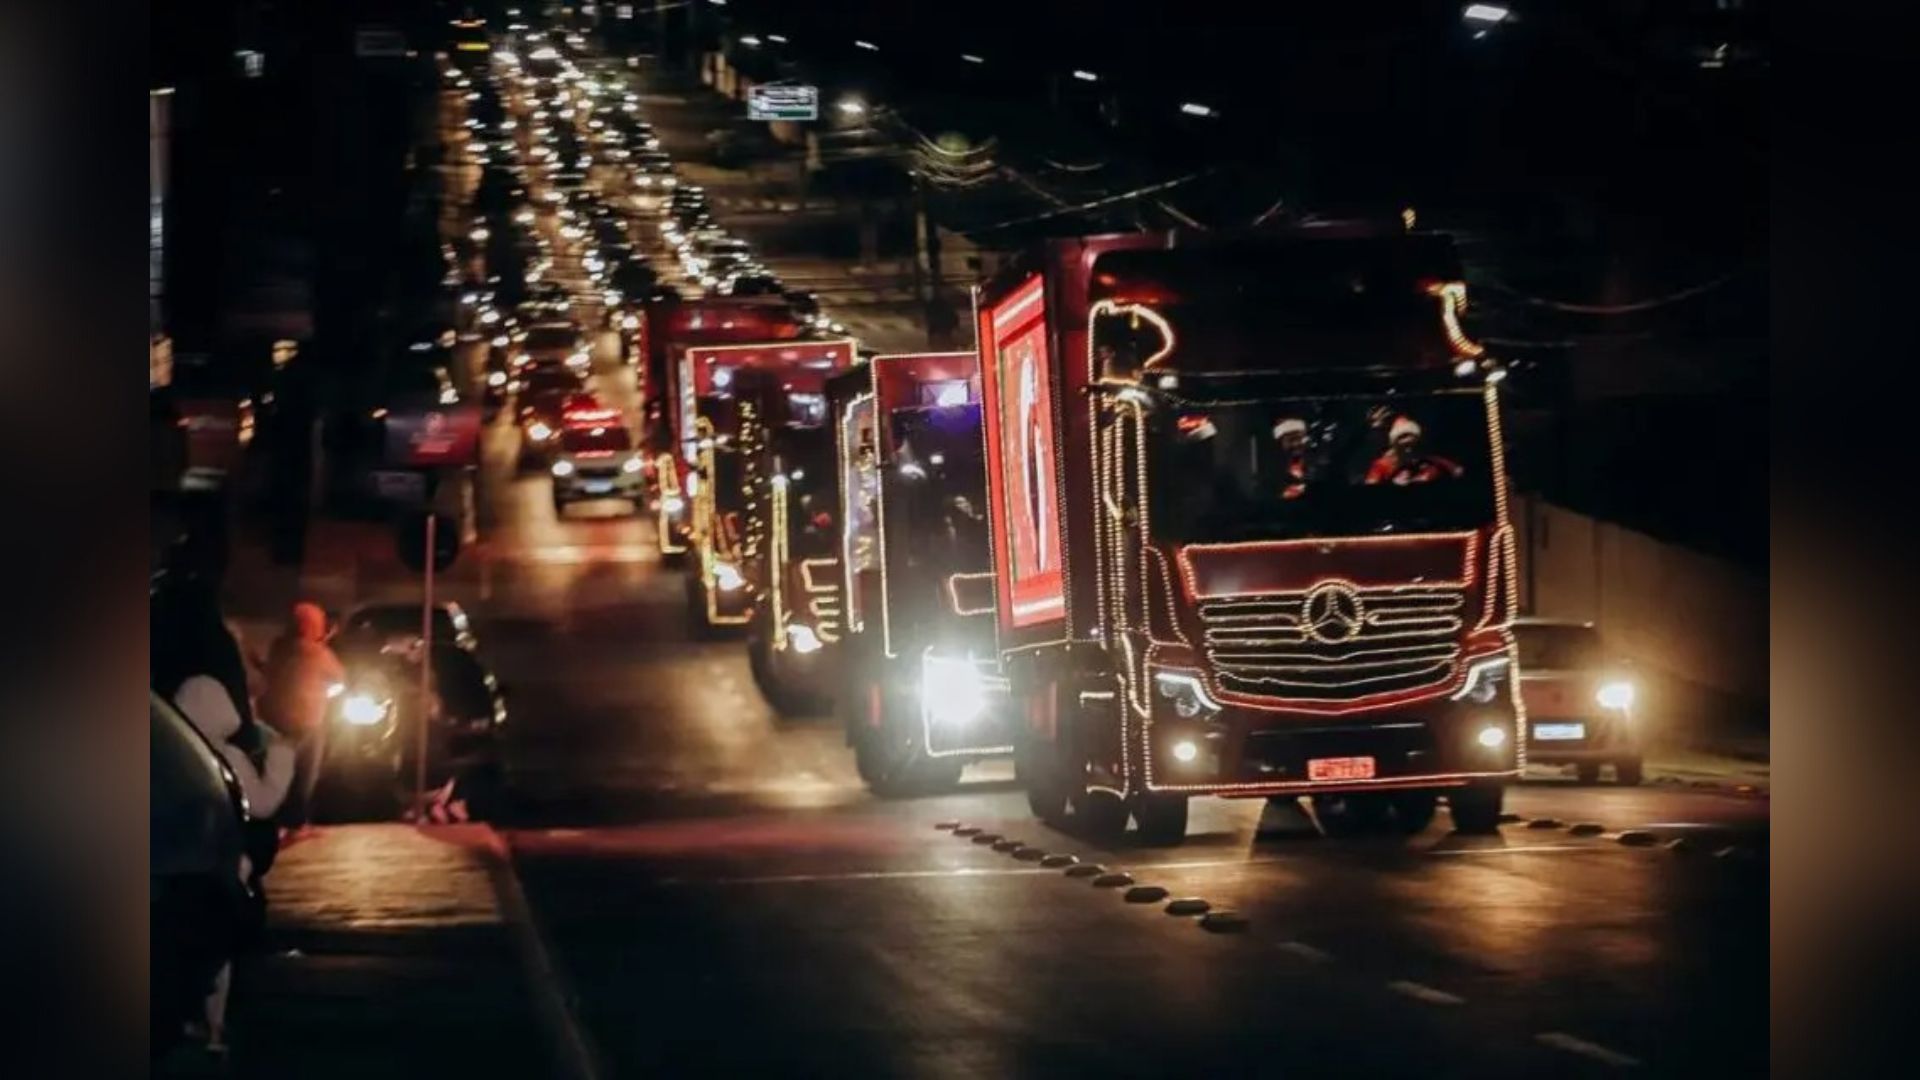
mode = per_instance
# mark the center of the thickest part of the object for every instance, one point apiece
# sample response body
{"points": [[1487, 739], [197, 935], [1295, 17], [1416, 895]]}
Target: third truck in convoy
{"points": [[1249, 529]]}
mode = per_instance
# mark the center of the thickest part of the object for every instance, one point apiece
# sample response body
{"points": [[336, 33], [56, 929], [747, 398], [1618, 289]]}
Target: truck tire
{"points": [[1476, 808], [1100, 816], [1161, 819], [1629, 772], [1037, 767], [1351, 814], [1413, 811], [888, 756]]}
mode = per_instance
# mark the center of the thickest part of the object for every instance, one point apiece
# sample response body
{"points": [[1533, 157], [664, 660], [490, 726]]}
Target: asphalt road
{"points": [[724, 898]]}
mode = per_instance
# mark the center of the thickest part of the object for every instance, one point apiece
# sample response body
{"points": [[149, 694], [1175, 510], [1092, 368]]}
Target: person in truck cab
{"points": [[1291, 433], [1403, 463]]}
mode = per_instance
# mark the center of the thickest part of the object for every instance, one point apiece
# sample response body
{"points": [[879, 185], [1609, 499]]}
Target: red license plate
{"points": [[1340, 768]]}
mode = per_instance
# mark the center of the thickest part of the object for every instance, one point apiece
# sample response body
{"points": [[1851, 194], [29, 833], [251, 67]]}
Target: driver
{"points": [[1403, 463]]}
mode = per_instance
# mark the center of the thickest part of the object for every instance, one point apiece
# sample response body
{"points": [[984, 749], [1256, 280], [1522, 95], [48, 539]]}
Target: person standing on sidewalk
{"points": [[302, 673]]}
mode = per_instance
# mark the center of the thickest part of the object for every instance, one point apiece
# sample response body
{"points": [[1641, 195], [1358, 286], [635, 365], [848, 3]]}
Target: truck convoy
{"points": [[1249, 521], [1203, 515], [921, 695]]}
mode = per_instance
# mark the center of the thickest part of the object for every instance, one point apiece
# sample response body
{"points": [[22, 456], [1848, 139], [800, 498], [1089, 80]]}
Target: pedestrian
{"points": [[210, 708], [302, 674]]}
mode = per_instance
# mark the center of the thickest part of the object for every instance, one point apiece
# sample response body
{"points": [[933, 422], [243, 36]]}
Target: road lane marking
{"points": [[1305, 951], [1560, 1040], [1565, 849], [1422, 992]]}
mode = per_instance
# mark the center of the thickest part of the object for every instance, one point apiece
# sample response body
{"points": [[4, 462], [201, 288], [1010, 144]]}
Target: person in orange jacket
{"points": [[302, 674]]}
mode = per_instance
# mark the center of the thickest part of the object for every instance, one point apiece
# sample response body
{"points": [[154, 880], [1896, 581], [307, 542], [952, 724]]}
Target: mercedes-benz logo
{"points": [[1332, 613]]}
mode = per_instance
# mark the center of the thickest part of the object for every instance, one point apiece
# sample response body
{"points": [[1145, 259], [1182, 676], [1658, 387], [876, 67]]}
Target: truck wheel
{"points": [[1036, 766], [1413, 811], [1476, 808], [1351, 815], [1100, 816], [1588, 772], [1629, 772], [1161, 819]]}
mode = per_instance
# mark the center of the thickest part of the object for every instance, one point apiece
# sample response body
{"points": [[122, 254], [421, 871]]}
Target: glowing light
{"points": [[539, 432], [1085, 76], [563, 467], [1490, 14], [496, 378], [802, 639], [750, 41], [777, 39], [1617, 695], [1492, 737], [972, 59], [1453, 300], [1465, 368], [363, 710], [1185, 751], [727, 576], [950, 690], [632, 465], [1194, 108], [852, 106], [867, 45]]}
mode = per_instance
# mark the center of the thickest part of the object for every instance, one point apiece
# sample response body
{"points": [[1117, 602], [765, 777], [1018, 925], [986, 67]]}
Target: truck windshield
{"points": [[1313, 467], [937, 463], [805, 456]]}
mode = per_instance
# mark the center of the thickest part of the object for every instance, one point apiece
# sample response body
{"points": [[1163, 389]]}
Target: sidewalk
{"points": [[390, 951]]}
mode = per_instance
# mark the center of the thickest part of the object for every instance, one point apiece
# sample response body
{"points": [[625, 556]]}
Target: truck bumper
{"points": [[1251, 753]]}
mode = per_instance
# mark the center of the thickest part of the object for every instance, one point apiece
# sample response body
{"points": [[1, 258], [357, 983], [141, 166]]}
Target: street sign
{"points": [[774, 102]]}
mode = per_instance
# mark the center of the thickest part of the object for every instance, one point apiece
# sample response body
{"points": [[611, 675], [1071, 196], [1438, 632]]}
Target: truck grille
{"points": [[1334, 642]]}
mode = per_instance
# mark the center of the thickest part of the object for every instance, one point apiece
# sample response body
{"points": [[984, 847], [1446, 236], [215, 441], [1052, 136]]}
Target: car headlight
{"points": [[363, 710], [1616, 694], [563, 467], [632, 464], [1485, 680], [496, 378], [1189, 697], [802, 639], [950, 690], [540, 432]]}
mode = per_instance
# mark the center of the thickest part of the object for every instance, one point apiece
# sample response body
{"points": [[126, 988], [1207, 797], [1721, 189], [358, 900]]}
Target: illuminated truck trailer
{"points": [[1249, 528]]}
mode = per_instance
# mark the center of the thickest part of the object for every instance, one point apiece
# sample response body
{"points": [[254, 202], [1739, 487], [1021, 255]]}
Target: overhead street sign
{"points": [[783, 102]]}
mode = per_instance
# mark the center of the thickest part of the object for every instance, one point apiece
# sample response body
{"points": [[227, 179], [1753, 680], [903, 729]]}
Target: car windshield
{"points": [[1548, 647], [1307, 467], [606, 439], [551, 379]]}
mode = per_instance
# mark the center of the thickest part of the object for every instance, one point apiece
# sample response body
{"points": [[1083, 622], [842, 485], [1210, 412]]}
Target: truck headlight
{"points": [[563, 467], [802, 639], [1189, 698], [726, 577], [1485, 680], [632, 464], [950, 690], [363, 709], [1616, 694]]}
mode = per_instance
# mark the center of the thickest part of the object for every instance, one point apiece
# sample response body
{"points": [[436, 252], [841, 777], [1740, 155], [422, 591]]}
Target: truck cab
{"points": [[923, 693], [1248, 498]]}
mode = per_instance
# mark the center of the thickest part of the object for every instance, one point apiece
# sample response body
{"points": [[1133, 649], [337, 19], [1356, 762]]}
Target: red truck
{"points": [[1248, 507], [922, 696], [720, 393], [663, 332]]}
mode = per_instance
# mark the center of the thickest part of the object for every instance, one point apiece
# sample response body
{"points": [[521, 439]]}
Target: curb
{"points": [[574, 1056]]}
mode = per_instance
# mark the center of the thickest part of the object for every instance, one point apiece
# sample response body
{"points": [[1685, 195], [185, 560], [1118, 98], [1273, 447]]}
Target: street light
{"points": [[1085, 76], [972, 59], [867, 45], [750, 41], [853, 106], [1194, 108], [1489, 14]]}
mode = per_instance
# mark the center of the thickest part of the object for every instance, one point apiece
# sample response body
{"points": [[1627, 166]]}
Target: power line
{"points": [[1097, 203]]}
